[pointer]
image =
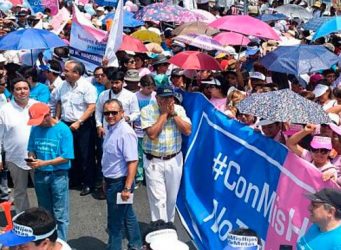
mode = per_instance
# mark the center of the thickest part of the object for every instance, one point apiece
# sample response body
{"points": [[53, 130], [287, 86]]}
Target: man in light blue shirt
{"points": [[50, 149], [325, 213], [119, 164]]}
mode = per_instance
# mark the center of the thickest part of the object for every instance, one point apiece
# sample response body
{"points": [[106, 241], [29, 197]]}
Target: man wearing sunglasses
{"points": [[325, 214], [119, 164]]}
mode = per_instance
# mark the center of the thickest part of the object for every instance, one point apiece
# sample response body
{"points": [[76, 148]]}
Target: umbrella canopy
{"points": [[206, 16], [200, 41], [147, 36], [165, 12], [231, 38], [293, 10], [272, 17], [283, 106], [299, 59], [195, 60], [132, 44], [196, 28], [246, 25], [332, 25], [30, 39], [315, 23], [128, 19]]}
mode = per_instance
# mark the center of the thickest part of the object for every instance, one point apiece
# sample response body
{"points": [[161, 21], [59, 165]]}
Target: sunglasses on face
{"points": [[113, 113], [323, 151]]}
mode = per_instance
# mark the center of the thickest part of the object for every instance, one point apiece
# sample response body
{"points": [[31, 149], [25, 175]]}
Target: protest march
{"points": [[226, 112]]}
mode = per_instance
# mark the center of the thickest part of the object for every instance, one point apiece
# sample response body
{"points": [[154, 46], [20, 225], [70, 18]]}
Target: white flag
{"points": [[115, 36]]}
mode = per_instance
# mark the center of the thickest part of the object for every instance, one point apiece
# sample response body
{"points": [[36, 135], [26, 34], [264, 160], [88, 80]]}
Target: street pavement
{"points": [[88, 220]]}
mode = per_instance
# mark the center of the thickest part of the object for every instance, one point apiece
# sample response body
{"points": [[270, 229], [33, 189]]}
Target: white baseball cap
{"points": [[320, 89]]}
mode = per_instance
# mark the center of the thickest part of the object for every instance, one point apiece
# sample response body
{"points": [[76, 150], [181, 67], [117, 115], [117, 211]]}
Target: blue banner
{"points": [[230, 176], [112, 3]]}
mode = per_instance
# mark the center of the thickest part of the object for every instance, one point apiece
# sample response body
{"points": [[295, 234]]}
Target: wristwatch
{"points": [[126, 189], [80, 121]]}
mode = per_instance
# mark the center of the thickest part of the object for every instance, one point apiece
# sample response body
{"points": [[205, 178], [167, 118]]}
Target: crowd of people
{"points": [[113, 129]]}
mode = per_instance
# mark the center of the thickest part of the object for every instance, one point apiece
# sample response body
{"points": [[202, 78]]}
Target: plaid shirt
{"points": [[169, 140]]}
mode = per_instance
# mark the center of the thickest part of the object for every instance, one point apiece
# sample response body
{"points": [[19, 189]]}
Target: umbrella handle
{"points": [[240, 48]]}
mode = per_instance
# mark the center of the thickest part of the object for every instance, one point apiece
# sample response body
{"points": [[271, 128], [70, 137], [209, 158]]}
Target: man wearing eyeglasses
{"points": [[119, 164], [325, 214]]}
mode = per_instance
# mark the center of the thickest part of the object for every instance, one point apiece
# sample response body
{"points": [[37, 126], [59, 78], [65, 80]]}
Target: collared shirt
{"points": [[169, 140], [53, 102], [14, 132], [126, 97], [119, 147], [75, 100]]}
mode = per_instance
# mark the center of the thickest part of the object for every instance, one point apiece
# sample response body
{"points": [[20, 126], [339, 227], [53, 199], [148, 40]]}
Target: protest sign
{"points": [[235, 177], [59, 21], [40, 5]]}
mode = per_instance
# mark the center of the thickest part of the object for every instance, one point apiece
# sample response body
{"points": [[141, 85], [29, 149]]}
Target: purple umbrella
{"points": [[168, 13], [200, 41]]}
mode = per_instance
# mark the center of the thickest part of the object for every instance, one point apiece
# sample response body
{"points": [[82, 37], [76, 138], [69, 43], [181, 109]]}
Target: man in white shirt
{"points": [[76, 99], [14, 134], [128, 99]]}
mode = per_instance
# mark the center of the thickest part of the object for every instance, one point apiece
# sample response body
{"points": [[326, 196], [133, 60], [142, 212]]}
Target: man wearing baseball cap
{"points": [[325, 213], [50, 149]]}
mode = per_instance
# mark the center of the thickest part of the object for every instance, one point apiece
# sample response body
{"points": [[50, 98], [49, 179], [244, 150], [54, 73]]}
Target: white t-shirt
{"points": [[65, 246]]}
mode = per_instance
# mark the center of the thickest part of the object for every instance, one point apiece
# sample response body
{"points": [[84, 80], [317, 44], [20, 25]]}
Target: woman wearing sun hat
{"points": [[318, 154]]}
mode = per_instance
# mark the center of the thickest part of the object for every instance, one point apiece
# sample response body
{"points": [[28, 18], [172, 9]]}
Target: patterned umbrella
{"points": [[168, 13], [283, 106], [293, 10], [315, 23], [200, 41]]}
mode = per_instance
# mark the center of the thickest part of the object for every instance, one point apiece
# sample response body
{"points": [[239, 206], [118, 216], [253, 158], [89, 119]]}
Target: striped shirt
{"points": [[169, 140]]}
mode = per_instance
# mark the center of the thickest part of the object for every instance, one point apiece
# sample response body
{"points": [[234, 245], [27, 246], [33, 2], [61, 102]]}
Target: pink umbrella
{"points": [[246, 25], [195, 60], [231, 38], [132, 44], [204, 15]]}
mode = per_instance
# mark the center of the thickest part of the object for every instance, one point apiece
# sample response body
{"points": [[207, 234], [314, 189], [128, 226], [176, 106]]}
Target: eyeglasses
{"points": [[131, 61], [98, 75], [113, 113], [323, 151]]}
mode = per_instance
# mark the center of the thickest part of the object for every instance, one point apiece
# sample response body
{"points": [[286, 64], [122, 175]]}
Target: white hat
{"points": [[2, 58], [320, 89], [165, 239], [212, 82], [257, 75], [100, 8], [264, 122], [155, 30], [335, 118]]}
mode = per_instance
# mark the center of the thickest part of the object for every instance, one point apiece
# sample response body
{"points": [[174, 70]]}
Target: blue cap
{"points": [[252, 50], [165, 91]]}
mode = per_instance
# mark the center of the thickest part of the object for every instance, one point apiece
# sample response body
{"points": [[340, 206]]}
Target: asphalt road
{"points": [[88, 220]]}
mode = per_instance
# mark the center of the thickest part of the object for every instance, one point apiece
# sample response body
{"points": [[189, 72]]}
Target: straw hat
{"points": [[317, 4]]}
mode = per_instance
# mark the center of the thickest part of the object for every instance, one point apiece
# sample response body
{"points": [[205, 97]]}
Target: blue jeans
{"points": [[121, 218], [52, 190]]}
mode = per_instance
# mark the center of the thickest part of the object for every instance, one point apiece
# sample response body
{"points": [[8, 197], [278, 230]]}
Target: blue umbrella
{"points": [[315, 23], [299, 59], [333, 25], [128, 19], [30, 39], [272, 17]]}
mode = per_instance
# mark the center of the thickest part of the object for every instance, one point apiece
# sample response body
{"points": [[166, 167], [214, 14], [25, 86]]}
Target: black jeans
{"points": [[83, 166]]}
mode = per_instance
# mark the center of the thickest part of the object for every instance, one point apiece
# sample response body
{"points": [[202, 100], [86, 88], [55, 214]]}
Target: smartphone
{"points": [[29, 160], [285, 247]]}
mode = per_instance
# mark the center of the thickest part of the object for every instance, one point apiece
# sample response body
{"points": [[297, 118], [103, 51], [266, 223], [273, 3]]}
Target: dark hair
{"points": [[16, 80], [147, 80], [337, 92], [41, 222], [328, 71], [79, 67], [116, 75], [157, 225], [31, 72], [99, 67], [109, 70], [118, 102], [55, 65]]}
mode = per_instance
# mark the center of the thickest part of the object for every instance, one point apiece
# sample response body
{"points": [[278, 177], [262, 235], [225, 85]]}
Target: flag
{"points": [[59, 21], [236, 177], [115, 36]]}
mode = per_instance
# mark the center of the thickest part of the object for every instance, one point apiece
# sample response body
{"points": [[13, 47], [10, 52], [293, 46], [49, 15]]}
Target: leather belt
{"points": [[165, 157]]}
